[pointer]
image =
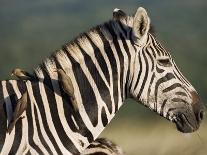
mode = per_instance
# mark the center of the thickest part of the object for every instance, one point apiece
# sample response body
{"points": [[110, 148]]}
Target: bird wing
{"points": [[21, 106], [68, 85], [66, 82], [19, 109]]}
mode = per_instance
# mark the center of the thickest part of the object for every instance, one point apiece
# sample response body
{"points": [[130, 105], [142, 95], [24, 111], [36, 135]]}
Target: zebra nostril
{"points": [[201, 115]]}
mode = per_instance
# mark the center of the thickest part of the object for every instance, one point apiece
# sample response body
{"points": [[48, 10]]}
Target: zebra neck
{"points": [[76, 129], [98, 67]]}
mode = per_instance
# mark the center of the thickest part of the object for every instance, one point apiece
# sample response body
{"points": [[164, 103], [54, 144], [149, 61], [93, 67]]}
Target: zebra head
{"points": [[156, 81]]}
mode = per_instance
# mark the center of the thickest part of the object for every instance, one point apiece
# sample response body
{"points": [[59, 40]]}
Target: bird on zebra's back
{"points": [[19, 109], [103, 146], [21, 74], [67, 86]]}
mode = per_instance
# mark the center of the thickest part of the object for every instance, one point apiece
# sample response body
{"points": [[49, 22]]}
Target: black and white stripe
{"points": [[109, 63]]}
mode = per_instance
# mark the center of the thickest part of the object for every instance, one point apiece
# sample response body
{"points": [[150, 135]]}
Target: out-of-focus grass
{"points": [[154, 136]]}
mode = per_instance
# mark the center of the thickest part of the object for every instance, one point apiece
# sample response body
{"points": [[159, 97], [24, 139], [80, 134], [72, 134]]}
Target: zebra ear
{"points": [[118, 14], [141, 24]]}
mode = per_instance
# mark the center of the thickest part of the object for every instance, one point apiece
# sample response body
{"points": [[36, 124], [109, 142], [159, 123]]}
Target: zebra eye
{"points": [[164, 62]]}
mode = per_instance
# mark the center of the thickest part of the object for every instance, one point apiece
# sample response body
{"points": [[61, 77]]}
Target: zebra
{"points": [[111, 62]]}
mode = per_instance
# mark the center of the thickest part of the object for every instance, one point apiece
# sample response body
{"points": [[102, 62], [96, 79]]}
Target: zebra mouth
{"points": [[185, 124]]}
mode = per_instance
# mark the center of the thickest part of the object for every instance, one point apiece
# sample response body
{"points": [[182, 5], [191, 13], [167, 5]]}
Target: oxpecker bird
{"points": [[21, 74], [19, 109], [67, 86]]}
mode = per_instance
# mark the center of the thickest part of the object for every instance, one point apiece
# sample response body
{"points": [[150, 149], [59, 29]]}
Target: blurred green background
{"points": [[32, 29]]}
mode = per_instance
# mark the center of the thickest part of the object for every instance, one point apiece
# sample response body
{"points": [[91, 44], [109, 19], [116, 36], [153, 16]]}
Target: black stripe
{"points": [[104, 117], [149, 89], [100, 59], [181, 94], [145, 76], [129, 61], [119, 53], [68, 144], [28, 153], [153, 52], [67, 104], [167, 77], [151, 58], [175, 85], [17, 137], [40, 133], [131, 35], [140, 70], [21, 86], [162, 107], [38, 98], [102, 88], [122, 28], [83, 130], [112, 61], [69, 111], [159, 70], [31, 129], [126, 49], [86, 91], [127, 84], [12, 95]]}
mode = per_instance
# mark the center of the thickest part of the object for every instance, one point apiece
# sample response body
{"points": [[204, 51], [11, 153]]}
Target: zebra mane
{"points": [[82, 40], [74, 46]]}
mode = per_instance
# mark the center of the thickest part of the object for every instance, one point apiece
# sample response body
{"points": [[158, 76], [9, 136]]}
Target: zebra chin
{"points": [[186, 122], [188, 118]]}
